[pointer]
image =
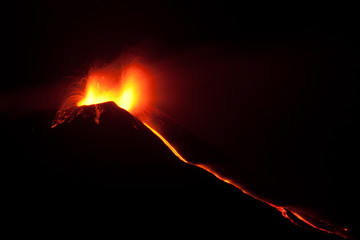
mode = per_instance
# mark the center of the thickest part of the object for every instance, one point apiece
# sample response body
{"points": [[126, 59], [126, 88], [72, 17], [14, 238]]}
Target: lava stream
{"points": [[176, 153]]}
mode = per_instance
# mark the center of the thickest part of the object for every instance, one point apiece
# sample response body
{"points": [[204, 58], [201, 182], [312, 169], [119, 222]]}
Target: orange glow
{"points": [[176, 153], [122, 87]]}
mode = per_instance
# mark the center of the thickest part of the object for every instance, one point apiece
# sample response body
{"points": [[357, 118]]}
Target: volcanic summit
{"points": [[114, 165]]}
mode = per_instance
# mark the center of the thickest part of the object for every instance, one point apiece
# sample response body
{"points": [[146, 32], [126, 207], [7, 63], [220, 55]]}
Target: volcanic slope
{"points": [[114, 171]]}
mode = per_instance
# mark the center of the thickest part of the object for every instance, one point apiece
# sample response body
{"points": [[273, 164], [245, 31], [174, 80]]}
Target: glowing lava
{"points": [[122, 87], [176, 153]]}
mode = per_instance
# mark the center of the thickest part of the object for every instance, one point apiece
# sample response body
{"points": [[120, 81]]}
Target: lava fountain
{"points": [[131, 88], [127, 88]]}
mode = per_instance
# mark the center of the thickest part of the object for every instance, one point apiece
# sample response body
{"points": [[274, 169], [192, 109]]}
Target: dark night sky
{"points": [[275, 84], [45, 33]]}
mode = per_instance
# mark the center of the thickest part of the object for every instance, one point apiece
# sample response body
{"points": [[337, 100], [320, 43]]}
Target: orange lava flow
{"points": [[176, 153], [282, 210]]}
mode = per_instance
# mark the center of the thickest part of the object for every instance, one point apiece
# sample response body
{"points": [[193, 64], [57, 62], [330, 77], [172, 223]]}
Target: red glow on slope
{"points": [[176, 153]]}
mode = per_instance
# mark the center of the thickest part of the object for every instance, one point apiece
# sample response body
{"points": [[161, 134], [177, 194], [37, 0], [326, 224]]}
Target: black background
{"points": [[45, 32]]}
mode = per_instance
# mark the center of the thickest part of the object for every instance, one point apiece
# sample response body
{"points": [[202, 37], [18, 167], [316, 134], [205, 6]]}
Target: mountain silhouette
{"points": [[110, 169]]}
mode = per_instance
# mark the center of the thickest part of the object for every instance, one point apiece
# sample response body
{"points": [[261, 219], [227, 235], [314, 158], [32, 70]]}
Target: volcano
{"points": [[112, 168]]}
